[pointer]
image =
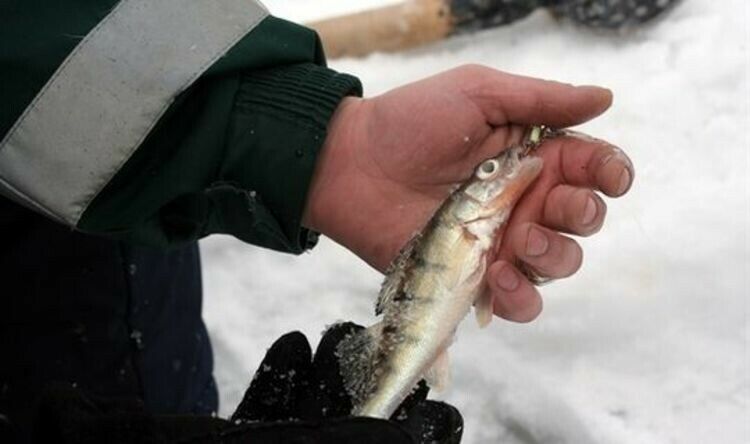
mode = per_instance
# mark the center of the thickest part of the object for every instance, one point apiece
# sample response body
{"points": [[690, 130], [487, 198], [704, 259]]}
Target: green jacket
{"points": [[228, 146]]}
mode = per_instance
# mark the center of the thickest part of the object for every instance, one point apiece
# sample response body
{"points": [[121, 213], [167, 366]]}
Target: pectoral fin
{"points": [[483, 308]]}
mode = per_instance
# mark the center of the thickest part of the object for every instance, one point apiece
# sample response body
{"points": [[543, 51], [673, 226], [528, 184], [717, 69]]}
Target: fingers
{"points": [[332, 400], [514, 298], [289, 355], [505, 98], [432, 421], [546, 251], [592, 163], [574, 210]]}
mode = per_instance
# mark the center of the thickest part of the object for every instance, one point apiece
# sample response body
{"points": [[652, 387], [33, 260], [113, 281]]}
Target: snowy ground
{"points": [[649, 342]]}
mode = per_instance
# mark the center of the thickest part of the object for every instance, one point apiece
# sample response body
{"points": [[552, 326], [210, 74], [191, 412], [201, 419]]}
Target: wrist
{"points": [[325, 201], [343, 201]]}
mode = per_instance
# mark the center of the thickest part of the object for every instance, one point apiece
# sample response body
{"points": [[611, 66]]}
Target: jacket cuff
{"points": [[278, 126]]}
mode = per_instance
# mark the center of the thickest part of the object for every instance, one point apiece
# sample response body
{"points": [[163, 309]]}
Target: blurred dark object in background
{"points": [[418, 22], [611, 14]]}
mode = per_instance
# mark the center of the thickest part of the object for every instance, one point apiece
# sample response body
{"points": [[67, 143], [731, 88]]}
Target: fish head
{"points": [[496, 186]]}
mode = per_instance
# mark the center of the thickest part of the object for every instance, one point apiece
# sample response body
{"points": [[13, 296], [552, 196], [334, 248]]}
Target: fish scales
{"points": [[431, 286]]}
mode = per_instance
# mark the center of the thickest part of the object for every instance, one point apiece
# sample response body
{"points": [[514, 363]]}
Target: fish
{"points": [[432, 284]]}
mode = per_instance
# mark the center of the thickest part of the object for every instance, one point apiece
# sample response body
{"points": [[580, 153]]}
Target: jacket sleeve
{"points": [[234, 153]]}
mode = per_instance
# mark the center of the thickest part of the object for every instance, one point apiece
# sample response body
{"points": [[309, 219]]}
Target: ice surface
{"points": [[649, 342]]}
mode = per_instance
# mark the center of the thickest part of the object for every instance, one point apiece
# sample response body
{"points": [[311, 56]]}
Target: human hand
{"points": [[390, 161]]}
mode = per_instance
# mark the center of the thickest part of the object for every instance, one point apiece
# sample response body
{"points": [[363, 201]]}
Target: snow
{"points": [[648, 343]]}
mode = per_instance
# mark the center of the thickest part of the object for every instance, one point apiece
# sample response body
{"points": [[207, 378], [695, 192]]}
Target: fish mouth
{"points": [[526, 171]]}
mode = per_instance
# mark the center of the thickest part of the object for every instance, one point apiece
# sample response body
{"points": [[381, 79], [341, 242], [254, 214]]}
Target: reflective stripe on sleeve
{"points": [[108, 94]]}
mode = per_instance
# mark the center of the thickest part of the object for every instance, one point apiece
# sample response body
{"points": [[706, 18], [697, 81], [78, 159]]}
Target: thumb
{"points": [[510, 99]]}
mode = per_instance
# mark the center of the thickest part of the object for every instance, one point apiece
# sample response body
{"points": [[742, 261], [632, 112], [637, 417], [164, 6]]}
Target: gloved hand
{"points": [[294, 397], [291, 384]]}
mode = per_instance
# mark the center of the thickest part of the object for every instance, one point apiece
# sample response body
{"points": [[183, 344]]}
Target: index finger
{"points": [[590, 163]]}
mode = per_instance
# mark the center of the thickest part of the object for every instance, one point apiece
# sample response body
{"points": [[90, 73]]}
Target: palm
{"points": [[416, 164]]}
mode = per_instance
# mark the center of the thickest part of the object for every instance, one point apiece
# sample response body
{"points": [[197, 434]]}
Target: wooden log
{"points": [[391, 28]]}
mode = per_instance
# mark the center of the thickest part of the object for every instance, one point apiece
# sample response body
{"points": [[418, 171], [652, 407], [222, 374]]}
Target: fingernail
{"points": [[507, 279], [537, 243], [625, 179], [589, 212], [594, 88], [599, 91], [619, 166], [607, 159]]}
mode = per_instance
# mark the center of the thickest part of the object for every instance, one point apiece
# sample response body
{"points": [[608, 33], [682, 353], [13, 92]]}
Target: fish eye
{"points": [[487, 169]]}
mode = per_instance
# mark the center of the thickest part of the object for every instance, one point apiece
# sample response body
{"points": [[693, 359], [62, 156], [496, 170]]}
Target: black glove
{"points": [[292, 398], [290, 384]]}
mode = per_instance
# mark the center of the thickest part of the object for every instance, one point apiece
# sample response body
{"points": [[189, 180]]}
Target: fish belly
{"points": [[441, 293]]}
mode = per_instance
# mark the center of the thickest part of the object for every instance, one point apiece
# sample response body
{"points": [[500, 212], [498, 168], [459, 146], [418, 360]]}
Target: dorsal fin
{"points": [[395, 274]]}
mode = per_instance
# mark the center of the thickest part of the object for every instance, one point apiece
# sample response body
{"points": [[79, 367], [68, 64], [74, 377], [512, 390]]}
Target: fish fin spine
{"points": [[395, 275]]}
